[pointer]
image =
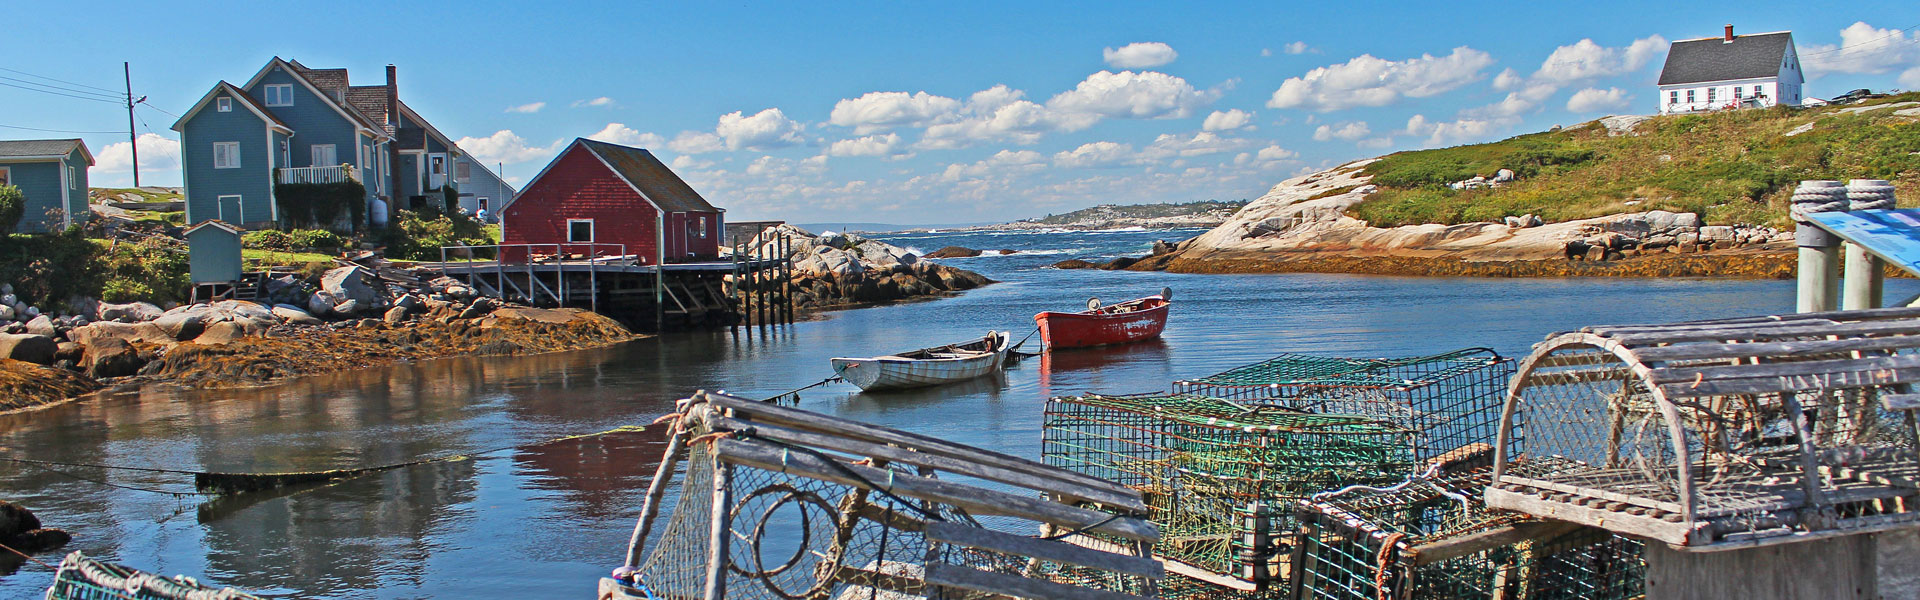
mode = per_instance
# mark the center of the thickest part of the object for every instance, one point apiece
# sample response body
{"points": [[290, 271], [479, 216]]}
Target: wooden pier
{"points": [[748, 286]]}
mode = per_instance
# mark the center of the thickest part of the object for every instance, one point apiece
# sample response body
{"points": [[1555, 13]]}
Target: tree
{"points": [[13, 205]]}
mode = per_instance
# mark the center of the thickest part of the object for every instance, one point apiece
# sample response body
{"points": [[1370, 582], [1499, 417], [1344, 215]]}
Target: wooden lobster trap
{"points": [[780, 503]]}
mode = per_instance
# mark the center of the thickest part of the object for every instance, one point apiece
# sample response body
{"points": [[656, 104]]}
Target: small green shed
{"points": [[213, 252]]}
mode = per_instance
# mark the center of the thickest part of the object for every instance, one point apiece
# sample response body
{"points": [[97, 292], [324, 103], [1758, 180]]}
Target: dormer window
{"points": [[279, 94], [223, 104]]}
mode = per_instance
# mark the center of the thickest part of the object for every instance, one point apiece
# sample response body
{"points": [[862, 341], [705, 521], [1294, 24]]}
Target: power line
{"points": [[65, 89], [143, 102], [116, 102], [1889, 36], [58, 80], [53, 130]]}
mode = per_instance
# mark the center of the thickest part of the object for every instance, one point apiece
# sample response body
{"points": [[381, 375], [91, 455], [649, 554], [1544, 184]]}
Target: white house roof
{"points": [[1715, 59]]}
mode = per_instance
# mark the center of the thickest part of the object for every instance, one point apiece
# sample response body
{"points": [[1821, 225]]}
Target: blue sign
{"points": [[1892, 235]]}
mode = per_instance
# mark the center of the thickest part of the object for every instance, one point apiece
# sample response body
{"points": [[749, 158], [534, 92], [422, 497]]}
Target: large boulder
{"points": [[131, 312], [224, 332], [350, 306], [43, 325], [833, 240], [837, 262], [36, 349], [242, 309], [294, 315], [182, 326], [321, 303], [351, 283], [395, 315], [953, 252], [6, 313], [112, 357]]}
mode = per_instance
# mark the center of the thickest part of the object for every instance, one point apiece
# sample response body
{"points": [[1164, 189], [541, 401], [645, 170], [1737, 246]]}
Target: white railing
{"points": [[334, 174]]}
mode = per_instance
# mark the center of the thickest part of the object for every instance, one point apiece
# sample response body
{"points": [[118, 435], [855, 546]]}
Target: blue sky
{"points": [[931, 112]]}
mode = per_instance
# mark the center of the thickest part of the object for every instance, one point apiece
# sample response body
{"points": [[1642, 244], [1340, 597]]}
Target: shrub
{"points": [[315, 238], [420, 235], [122, 290], [321, 204], [270, 239], [13, 205]]}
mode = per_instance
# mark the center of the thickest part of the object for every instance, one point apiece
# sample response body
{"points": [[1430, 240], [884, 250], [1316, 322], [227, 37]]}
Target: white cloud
{"points": [[872, 145], [1865, 49], [602, 101], [1168, 145], [1351, 130], [1298, 48], [1370, 81], [1585, 60], [880, 111], [1273, 153], [1140, 55], [1463, 129], [1019, 121], [1519, 102], [769, 128], [1375, 143], [1227, 121], [1596, 100], [617, 133], [688, 163], [1266, 52], [156, 153], [696, 142], [1001, 163], [505, 146], [1143, 95], [1094, 154], [1507, 80], [532, 107]]}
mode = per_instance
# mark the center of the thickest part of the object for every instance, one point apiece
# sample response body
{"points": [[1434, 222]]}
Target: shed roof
{"points": [[1715, 59], [40, 148], [649, 176], [214, 223]]}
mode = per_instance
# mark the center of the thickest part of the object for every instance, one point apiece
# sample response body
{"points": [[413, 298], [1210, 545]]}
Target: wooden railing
{"points": [[333, 174]]}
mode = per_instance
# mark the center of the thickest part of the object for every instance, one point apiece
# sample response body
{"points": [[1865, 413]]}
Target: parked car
{"points": [[1855, 96]]}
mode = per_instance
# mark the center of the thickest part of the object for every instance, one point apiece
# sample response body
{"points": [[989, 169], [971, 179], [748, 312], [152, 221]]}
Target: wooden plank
{"points": [[1701, 350], [1901, 401], [801, 419], [1451, 548], [874, 579], [1060, 552], [967, 578], [767, 456], [1901, 327], [1834, 568], [1784, 369], [1622, 523], [1593, 492], [1771, 384], [1059, 486]]}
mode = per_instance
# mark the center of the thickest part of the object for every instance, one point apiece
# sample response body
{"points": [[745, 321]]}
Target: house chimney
{"points": [[1727, 40], [393, 146]]}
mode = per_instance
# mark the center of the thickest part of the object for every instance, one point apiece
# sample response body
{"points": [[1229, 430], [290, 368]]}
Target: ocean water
{"points": [[547, 521]]}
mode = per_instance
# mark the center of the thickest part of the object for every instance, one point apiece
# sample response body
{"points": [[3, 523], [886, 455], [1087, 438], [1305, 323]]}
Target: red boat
{"points": [[1129, 321]]}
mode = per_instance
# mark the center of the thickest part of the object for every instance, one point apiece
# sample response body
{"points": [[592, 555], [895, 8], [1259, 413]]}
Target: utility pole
{"points": [[133, 139]]}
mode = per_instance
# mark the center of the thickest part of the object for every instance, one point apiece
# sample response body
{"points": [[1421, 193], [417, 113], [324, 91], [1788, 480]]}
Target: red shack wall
{"points": [[579, 186]]}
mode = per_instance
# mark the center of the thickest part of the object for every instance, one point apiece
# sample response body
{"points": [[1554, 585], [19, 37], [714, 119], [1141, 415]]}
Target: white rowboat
{"points": [[927, 366]]}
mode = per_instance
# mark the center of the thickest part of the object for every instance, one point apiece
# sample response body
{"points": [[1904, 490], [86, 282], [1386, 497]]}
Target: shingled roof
{"points": [[1715, 59], [652, 177], [25, 148], [370, 100]]}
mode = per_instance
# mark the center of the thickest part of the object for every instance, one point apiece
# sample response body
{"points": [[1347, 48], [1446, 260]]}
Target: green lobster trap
{"points": [[82, 578], [1448, 400], [1218, 476], [1435, 538]]}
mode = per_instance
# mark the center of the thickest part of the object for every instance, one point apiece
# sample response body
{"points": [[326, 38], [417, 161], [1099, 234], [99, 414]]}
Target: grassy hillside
{"points": [[1731, 167]]}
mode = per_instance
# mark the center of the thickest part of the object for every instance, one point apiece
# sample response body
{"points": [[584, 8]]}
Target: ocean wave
{"points": [[1132, 229]]}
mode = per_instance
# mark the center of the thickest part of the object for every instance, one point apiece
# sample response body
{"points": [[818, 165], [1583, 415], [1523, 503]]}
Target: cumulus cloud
{"points": [[156, 153], [1001, 163], [1865, 49], [1273, 153], [1019, 121], [872, 145], [1518, 102], [505, 146], [1370, 81], [1350, 130], [686, 162], [1094, 154], [1168, 146], [1585, 60], [1597, 100], [1140, 55], [763, 130], [1266, 52], [602, 101], [1298, 48], [1227, 121], [881, 111], [618, 133], [1126, 94], [696, 142], [1507, 80], [1463, 129], [532, 107]]}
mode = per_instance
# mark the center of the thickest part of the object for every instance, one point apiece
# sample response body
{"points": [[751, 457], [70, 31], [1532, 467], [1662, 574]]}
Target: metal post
{"points": [[1866, 275], [1819, 287], [659, 271]]}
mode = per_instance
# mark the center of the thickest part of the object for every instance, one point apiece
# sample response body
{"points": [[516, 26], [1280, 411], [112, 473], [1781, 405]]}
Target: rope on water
{"points": [[213, 483], [793, 396]]}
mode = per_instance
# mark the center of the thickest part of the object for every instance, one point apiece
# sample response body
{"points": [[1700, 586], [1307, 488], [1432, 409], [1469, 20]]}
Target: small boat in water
{"points": [[927, 366], [1129, 321]]}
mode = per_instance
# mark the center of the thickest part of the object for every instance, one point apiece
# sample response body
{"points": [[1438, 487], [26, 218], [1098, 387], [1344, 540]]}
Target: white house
{"points": [[1754, 70]]}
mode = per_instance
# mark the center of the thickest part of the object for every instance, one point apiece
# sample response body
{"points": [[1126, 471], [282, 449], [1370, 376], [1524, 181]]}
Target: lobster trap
{"points": [[83, 578], [1448, 400], [780, 503], [1218, 476], [1722, 434], [1435, 538]]}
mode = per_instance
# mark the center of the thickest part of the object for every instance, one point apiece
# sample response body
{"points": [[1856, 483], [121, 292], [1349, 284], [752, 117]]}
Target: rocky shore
{"points": [[836, 270]]}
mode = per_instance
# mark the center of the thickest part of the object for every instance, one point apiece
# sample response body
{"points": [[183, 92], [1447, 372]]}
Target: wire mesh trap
{"points": [[1217, 476], [1448, 400], [1724, 433], [780, 503], [83, 578], [1435, 538]]}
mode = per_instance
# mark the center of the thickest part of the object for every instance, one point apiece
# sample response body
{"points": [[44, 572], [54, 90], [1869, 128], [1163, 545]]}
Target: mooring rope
{"points": [[781, 398], [213, 483]]}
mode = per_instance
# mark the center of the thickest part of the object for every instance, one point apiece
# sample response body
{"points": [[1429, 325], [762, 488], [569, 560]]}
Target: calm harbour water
{"points": [[547, 521]]}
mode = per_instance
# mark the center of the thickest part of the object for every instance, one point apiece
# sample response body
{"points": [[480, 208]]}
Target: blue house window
{"points": [[223, 104], [279, 94], [6, 175], [226, 155]]}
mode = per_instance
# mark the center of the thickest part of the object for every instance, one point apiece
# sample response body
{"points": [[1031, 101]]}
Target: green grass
{"points": [[1731, 167], [99, 194], [277, 258]]}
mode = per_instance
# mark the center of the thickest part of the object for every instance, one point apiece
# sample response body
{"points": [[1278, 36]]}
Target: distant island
{"points": [[1205, 213]]}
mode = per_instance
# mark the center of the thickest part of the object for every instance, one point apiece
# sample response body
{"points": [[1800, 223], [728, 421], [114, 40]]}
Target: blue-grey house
{"points": [[480, 188], [292, 125], [52, 174]]}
